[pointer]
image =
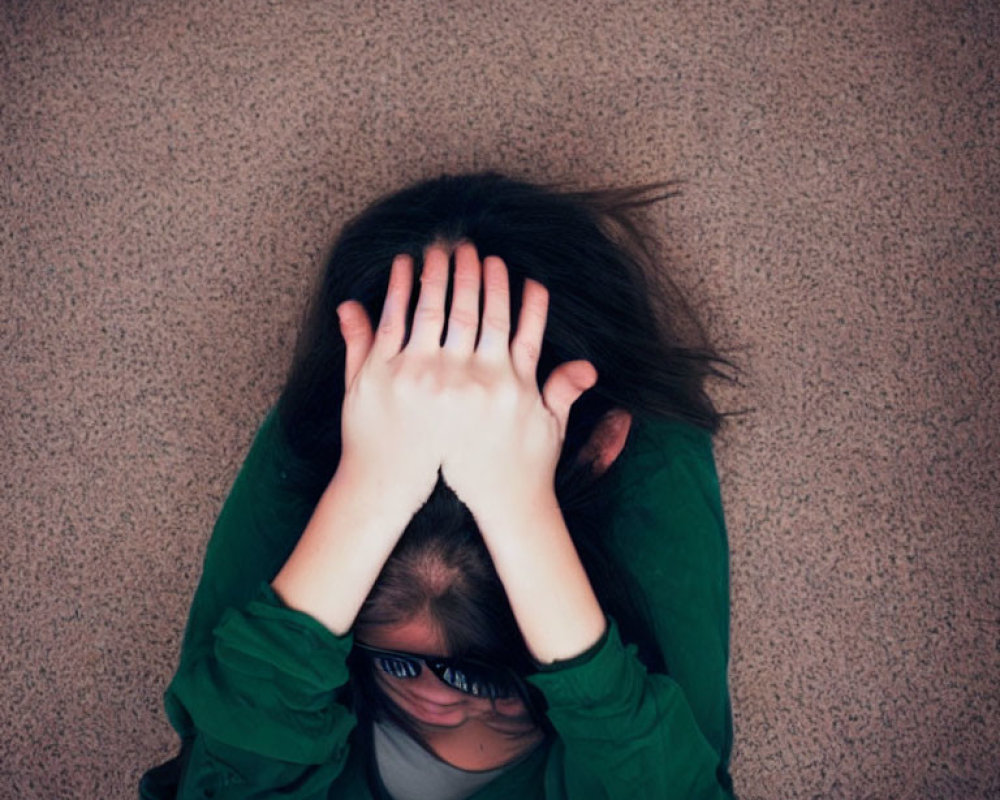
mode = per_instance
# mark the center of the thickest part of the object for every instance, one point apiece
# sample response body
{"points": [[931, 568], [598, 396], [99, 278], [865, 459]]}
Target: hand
{"points": [[391, 420], [501, 447], [503, 437]]}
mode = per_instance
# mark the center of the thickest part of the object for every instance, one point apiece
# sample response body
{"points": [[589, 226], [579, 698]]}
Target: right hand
{"points": [[391, 418]]}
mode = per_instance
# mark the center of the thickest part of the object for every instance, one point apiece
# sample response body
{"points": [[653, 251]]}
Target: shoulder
{"points": [[661, 450], [653, 433], [668, 498], [270, 467]]}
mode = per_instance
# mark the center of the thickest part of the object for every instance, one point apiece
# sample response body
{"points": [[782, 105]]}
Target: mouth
{"points": [[421, 709], [435, 709], [435, 713]]}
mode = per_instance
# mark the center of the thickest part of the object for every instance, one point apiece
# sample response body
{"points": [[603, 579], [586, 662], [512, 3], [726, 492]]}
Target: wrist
{"points": [[508, 513], [375, 493], [351, 533], [546, 584]]}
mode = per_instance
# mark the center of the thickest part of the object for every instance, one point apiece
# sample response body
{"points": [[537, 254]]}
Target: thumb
{"points": [[356, 329], [565, 385]]}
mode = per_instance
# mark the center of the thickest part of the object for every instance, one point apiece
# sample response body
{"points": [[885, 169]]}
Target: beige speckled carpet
{"points": [[172, 172]]}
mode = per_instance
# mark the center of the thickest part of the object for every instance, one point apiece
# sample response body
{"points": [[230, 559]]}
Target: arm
{"points": [[245, 654], [613, 718], [344, 546], [548, 589], [623, 733], [257, 695], [389, 462], [500, 457]]}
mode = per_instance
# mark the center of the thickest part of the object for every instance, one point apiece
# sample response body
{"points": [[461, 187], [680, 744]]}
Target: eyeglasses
{"points": [[467, 675]]}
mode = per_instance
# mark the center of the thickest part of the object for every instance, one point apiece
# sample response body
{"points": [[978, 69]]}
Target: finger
{"points": [[527, 345], [356, 329], [494, 337], [392, 324], [565, 385], [428, 319], [463, 318]]}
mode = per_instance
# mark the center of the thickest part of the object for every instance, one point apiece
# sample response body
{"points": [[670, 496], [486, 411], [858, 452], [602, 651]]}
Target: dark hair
{"points": [[441, 568], [608, 304]]}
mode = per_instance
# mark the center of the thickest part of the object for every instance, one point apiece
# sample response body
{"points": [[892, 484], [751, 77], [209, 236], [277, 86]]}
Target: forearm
{"points": [[351, 533], [546, 584]]}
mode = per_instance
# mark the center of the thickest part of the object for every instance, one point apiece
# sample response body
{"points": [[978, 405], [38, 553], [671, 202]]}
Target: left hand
{"points": [[504, 436]]}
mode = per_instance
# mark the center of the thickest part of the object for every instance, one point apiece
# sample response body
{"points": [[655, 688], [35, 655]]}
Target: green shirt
{"points": [[254, 702]]}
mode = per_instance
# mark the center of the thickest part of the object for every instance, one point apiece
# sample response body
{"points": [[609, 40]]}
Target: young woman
{"points": [[477, 551]]}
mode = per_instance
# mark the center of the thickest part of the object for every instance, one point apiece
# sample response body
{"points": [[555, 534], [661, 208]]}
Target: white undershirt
{"points": [[411, 772]]}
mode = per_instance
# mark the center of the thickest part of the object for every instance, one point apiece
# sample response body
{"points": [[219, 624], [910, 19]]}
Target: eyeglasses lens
{"points": [[467, 678], [471, 679], [399, 667]]}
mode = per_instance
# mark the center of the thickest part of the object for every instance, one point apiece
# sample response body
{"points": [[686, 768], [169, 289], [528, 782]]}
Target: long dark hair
{"points": [[609, 304]]}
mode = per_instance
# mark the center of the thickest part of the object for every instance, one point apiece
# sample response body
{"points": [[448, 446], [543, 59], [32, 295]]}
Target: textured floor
{"points": [[172, 172]]}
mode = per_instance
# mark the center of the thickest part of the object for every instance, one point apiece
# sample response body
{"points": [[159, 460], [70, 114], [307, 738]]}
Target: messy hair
{"points": [[610, 303]]}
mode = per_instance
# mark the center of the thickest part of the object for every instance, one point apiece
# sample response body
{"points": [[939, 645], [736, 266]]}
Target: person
{"points": [[476, 551]]}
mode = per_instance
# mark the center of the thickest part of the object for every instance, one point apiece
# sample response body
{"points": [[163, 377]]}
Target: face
{"points": [[425, 700]]}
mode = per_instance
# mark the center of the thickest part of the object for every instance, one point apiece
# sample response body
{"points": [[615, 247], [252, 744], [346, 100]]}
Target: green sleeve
{"points": [[263, 705], [623, 733], [258, 527], [670, 532], [256, 531]]}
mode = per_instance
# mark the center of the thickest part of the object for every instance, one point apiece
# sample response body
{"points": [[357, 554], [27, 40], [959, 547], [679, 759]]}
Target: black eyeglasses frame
{"points": [[508, 684]]}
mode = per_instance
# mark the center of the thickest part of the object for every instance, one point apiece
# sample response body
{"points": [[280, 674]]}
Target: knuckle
{"points": [[495, 319], [528, 351], [463, 318], [536, 311], [429, 315], [434, 276], [466, 280], [388, 327], [496, 282]]}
